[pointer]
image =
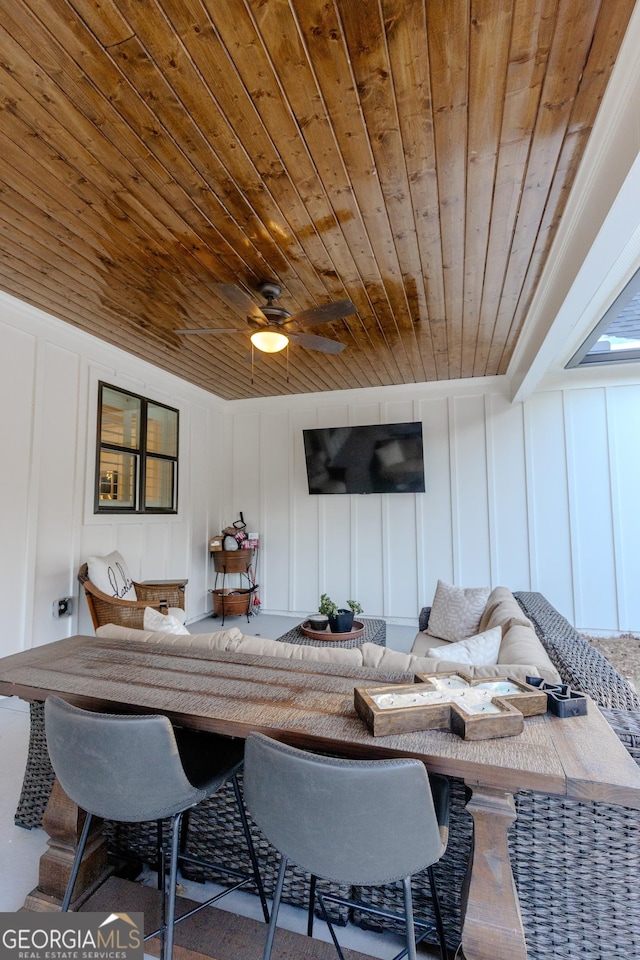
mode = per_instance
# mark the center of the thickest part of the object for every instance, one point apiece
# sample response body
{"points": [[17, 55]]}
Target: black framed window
{"points": [[136, 454]]}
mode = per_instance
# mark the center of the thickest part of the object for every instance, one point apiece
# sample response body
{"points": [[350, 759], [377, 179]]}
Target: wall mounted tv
{"points": [[378, 458]]}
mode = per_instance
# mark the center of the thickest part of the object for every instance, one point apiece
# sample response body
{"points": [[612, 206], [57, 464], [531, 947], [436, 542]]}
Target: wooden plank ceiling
{"points": [[413, 156]]}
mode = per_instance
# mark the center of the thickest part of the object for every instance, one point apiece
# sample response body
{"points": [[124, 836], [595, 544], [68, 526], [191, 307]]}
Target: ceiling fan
{"points": [[273, 328]]}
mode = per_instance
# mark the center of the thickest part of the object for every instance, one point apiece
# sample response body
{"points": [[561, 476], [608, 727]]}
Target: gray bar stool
{"points": [[359, 822], [133, 768]]}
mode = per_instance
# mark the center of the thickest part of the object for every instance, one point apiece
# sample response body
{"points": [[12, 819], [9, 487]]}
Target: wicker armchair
{"points": [[130, 613]]}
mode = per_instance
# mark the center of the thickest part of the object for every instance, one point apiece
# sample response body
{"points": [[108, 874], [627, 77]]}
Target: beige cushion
{"points": [[234, 641], [521, 652], [373, 655], [456, 611], [505, 614], [384, 658], [194, 641], [369, 655], [295, 651], [480, 650], [424, 642], [495, 597], [492, 671], [521, 645]]}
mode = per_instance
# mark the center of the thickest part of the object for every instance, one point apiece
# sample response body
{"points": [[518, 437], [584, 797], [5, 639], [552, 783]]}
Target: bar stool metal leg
{"points": [[76, 864], [252, 852], [275, 906], [170, 894]]}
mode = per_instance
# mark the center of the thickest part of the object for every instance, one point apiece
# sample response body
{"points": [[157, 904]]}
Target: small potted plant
{"points": [[340, 619], [318, 621]]}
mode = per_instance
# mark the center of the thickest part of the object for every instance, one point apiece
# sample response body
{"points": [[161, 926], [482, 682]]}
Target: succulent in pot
{"points": [[340, 619], [327, 606], [318, 621]]}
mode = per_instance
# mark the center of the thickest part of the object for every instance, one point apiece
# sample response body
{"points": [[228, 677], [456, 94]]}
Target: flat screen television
{"points": [[378, 458]]}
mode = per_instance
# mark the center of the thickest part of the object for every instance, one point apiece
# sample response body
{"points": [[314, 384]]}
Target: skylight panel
{"points": [[616, 337]]}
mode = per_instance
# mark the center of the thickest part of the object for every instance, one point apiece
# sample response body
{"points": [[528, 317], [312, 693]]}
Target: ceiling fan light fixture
{"points": [[269, 341]]}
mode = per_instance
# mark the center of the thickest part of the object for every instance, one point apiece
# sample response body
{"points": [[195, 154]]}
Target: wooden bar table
{"points": [[310, 705]]}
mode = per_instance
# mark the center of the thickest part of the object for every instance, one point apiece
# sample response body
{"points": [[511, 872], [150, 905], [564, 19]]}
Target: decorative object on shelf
{"points": [[562, 700], [340, 619], [472, 709], [231, 538]]}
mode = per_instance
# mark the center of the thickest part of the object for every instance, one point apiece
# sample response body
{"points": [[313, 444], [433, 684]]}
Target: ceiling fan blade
{"points": [[209, 331], [236, 297], [325, 314], [312, 342]]}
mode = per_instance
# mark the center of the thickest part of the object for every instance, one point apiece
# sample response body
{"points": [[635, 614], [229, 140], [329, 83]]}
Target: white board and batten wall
{"points": [[49, 374], [540, 495]]}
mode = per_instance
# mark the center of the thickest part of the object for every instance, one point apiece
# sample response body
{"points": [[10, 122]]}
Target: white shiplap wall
{"points": [[536, 496]]}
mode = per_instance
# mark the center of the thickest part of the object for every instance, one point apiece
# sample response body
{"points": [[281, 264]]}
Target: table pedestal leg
{"points": [[491, 921], [63, 822]]}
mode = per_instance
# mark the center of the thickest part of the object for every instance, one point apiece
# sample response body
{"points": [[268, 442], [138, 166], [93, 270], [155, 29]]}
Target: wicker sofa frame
{"points": [[573, 861]]}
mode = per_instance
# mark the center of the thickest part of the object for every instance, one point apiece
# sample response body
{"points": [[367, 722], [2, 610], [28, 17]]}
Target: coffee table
{"points": [[375, 631]]}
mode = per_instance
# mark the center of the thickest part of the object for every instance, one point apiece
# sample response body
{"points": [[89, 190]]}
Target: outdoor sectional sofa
{"points": [[575, 863]]}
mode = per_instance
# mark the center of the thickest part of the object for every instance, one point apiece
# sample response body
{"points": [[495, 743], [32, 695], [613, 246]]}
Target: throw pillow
{"points": [[178, 613], [480, 650], [161, 622], [456, 611], [111, 575]]}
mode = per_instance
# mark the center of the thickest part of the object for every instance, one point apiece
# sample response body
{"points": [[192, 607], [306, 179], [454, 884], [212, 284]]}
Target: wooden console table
{"points": [[310, 705]]}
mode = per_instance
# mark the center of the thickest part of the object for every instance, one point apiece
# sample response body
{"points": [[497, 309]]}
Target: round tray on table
{"points": [[326, 634]]}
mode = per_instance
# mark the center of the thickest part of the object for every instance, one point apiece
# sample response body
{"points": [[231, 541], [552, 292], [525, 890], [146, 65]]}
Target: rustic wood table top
{"points": [[311, 704]]}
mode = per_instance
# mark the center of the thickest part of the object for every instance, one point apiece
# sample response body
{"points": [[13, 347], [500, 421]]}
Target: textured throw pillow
{"points": [[162, 623], [178, 613], [110, 574], [480, 650], [456, 611]]}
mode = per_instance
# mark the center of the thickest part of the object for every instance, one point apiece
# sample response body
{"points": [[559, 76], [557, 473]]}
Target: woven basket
{"points": [[232, 561], [230, 602]]}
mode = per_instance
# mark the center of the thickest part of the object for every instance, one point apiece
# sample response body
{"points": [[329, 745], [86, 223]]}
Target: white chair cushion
{"points": [[479, 650], [162, 622], [111, 575]]}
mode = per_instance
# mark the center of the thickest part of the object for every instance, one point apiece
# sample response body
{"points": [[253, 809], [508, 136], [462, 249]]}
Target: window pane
{"points": [[117, 483], [621, 339], [162, 430], [120, 422], [158, 494], [616, 337]]}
